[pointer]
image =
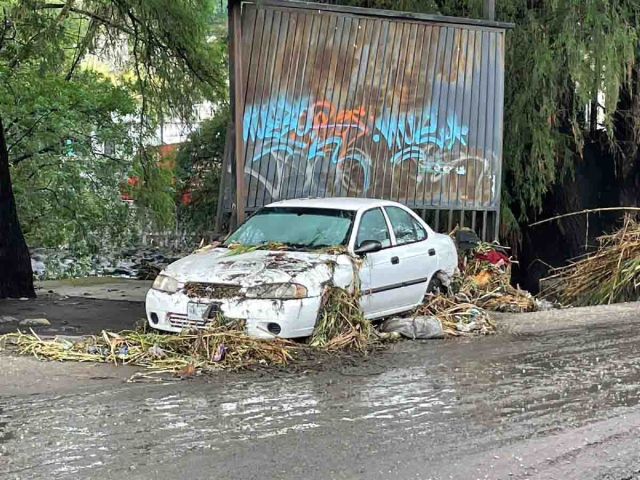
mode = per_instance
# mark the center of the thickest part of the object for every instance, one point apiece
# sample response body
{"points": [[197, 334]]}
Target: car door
{"points": [[415, 251], [379, 272]]}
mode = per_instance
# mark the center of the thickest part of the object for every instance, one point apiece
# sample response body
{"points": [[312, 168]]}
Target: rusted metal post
{"points": [[237, 101], [489, 9], [226, 159]]}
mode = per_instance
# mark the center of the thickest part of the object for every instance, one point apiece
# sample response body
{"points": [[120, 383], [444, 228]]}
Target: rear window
{"points": [[405, 227]]}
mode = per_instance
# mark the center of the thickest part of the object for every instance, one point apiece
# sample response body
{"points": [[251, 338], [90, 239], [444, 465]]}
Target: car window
{"points": [[373, 226], [406, 228]]}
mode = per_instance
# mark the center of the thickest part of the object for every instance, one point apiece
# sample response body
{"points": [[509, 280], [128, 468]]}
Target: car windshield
{"points": [[297, 228]]}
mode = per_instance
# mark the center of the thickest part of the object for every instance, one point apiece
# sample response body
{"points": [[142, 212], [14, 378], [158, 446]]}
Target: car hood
{"points": [[311, 270]]}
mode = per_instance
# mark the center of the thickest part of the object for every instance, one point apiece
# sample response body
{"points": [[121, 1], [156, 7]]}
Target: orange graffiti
{"points": [[327, 122]]}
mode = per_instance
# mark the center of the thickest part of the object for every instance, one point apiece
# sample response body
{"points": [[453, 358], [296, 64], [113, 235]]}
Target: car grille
{"points": [[211, 290], [181, 322]]}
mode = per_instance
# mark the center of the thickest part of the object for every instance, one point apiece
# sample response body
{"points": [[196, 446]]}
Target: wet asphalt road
{"points": [[556, 405]]}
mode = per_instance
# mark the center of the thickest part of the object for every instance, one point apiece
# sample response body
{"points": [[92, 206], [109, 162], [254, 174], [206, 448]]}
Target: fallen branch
{"points": [[606, 209]]}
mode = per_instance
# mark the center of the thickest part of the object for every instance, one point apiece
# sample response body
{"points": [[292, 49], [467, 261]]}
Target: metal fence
{"points": [[343, 101]]}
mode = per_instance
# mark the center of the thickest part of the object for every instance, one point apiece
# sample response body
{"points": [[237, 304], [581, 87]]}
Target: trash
{"points": [[34, 322], [187, 371], [485, 277], [156, 352], [494, 257], [544, 304], [467, 327], [416, 328], [457, 315], [93, 350], [220, 353], [482, 279], [466, 239], [123, 351]]}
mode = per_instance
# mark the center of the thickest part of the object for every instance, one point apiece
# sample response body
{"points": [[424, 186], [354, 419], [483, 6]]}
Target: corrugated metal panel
{"points": [[346, 104]]}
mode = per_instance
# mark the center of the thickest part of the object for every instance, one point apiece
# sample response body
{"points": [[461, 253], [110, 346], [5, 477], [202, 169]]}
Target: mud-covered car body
{"points": [[272, 271]]}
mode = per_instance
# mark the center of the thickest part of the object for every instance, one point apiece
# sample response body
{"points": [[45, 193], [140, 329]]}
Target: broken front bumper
{"points": [[295, 318]]}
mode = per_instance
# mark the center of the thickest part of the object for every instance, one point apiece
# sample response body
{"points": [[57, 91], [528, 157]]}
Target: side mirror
{"points": [[368, 246]]}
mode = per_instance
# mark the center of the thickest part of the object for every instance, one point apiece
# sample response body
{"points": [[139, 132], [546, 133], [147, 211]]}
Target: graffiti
{"points": [[296, 137]]}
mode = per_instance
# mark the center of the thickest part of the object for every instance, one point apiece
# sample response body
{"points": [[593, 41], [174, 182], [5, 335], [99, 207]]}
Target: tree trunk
{"points": [[16, 276]]}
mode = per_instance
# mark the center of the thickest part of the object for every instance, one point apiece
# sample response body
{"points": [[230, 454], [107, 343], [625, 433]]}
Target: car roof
{"points": [[334, 203]]}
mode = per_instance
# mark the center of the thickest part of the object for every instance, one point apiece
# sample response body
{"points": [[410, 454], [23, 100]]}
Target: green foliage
{"points": [[162, 57], [66, 199], [198, 172], [71, 201], [557, 59], [154, 190]]}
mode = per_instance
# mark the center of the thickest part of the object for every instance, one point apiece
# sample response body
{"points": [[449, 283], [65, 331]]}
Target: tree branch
{"points": [[31, 129], [25, 156], [80, 51], [55, 196], [86, 13], [38, 169]]}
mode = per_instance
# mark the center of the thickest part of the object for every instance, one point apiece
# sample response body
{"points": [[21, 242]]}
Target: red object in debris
{"points": [[494, 257]]}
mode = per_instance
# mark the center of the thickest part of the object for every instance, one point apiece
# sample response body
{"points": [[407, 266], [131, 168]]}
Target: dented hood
{"points": [[311, 270]]}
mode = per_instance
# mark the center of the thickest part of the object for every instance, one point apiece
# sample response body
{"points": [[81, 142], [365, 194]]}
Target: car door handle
{"points": [[432, 252], [395, 260]]}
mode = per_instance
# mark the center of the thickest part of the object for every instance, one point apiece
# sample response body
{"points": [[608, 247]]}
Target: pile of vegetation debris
{"points": [[341, 324], [484, 279], [217, 347], [609, 275]]}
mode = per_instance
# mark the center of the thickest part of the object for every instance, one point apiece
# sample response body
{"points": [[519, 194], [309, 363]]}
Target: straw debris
{"points": [[215, 348], [457, 316], [341, 324], [609, 275], [239, 248], [487, 284]]}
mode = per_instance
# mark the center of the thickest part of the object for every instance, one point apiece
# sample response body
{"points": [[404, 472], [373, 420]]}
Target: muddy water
{"points": [[437, 400]]}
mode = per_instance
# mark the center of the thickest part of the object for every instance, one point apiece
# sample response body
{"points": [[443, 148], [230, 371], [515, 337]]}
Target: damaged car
{"points": [[271, 273]]}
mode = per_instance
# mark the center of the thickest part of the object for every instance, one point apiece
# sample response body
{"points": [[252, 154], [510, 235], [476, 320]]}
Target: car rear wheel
{"points": [[435, 285], [439, 283]]}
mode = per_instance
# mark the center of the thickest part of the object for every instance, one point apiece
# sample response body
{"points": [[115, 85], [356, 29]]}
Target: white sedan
{"points": [[284, 256]]}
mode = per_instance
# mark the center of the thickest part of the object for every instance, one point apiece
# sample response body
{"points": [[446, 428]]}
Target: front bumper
{"points": [[296, 318]]}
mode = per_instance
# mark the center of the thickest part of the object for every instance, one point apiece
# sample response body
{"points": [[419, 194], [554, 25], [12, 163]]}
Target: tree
{"points": [[168, 61], [198, 173]]}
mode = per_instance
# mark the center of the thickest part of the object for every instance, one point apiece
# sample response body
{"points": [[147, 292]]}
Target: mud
{"points": [[73, 315], [562, 404]]}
